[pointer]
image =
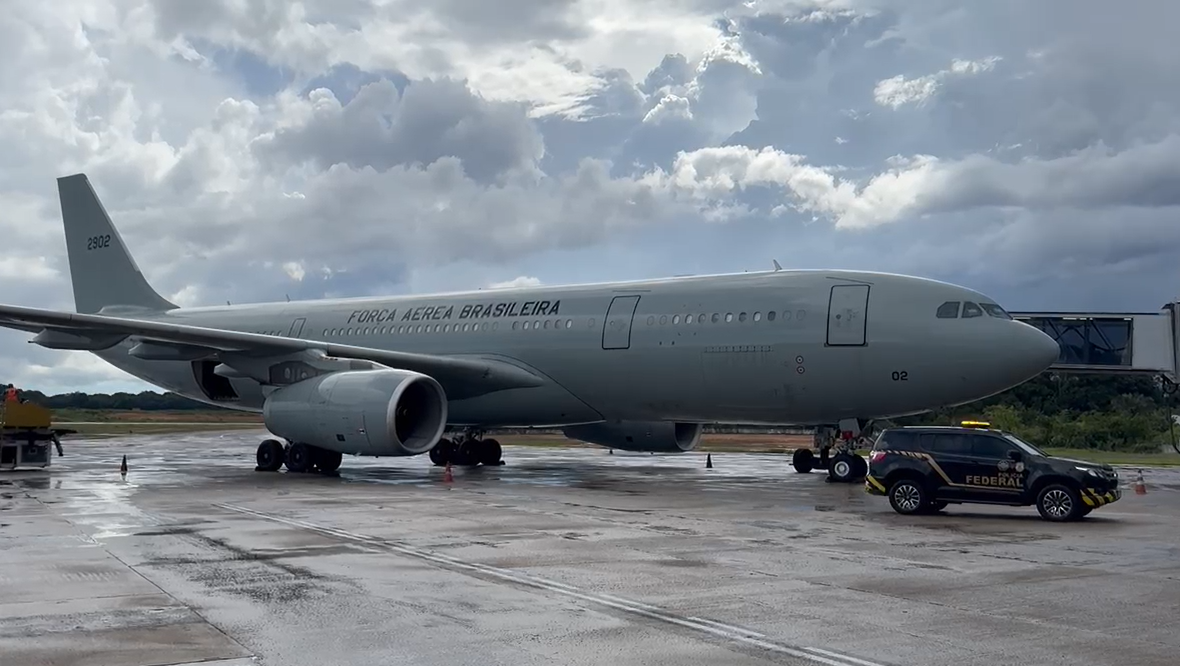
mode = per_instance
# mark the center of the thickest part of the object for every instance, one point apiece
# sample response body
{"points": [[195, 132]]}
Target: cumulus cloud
{"points": [[265, 150]]}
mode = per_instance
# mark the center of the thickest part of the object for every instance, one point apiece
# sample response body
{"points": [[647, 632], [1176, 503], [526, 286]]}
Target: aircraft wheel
{"points": [[860, 467], [328, 461], [468, 454], [442, 452], [803, 460], [490, 452], [270, 456], [843, 468], [299, 458]]}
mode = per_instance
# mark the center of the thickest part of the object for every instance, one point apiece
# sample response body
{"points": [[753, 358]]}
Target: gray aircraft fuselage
{"points": [[776, 347]]}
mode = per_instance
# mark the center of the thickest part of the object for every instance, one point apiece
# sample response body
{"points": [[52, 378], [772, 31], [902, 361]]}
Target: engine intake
{"points": [[364, 412], [655, 436]]}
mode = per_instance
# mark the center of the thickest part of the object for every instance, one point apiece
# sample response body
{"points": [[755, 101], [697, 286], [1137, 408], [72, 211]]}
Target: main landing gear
{"points": [[300, 458], [467, 450], [844, 467]]}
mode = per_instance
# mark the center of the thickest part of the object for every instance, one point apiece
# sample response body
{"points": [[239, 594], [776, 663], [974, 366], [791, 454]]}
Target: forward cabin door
{"points": [[848, 305], [616, 328]]}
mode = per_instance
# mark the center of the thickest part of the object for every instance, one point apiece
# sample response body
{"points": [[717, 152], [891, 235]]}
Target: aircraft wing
{"points": [[459, 376]]}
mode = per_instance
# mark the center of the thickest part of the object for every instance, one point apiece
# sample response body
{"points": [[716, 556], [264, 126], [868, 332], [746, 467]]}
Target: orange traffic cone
{"points": [[123, 466], [447, 476], [1140, 487]]}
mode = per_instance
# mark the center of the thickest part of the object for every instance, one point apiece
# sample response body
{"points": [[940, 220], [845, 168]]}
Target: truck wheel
{"points": [[1059, 503], [908, 497]]}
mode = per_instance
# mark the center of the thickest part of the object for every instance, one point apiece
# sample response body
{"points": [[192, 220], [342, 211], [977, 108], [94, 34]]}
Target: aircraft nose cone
{"points": [[1035, 351]]}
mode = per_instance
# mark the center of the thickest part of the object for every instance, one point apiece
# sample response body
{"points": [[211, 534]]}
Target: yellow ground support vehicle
{"points": [[26, 432]]}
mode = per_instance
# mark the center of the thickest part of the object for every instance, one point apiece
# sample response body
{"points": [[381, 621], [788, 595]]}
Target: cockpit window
{"points": [[948, 310], [971, 310], [995, 311]]}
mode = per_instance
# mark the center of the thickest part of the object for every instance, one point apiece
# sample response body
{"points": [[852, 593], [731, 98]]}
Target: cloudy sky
{"points": [[254, 149]]}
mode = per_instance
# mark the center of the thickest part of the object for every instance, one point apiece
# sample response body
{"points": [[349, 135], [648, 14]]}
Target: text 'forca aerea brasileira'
{"points": [[467, 311]]}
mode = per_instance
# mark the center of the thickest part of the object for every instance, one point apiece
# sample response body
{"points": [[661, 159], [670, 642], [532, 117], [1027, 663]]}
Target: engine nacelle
{"points": [[363, 412], [658, 436]]}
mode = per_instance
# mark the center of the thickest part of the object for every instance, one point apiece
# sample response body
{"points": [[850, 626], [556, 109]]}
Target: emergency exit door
{"points": [[296, 328], [848, 306], [616, 328]]}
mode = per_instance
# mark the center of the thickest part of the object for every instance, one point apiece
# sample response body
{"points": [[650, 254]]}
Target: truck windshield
{"points": [[1024, 446]]}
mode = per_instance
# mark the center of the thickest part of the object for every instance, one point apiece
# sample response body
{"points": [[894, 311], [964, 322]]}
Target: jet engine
{"points": [[363, 412], [657, 436]]}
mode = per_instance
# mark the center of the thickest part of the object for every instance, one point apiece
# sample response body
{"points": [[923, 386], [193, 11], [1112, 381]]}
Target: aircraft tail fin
{"points": [[102, 270]]}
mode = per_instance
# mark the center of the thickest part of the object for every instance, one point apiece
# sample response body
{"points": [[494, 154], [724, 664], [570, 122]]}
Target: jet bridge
{"points": [[1145, 343]]}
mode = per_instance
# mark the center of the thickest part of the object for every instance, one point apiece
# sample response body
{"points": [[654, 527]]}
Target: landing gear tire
{"points": [[327, 462], [490, 452], [844, 468], [861, 467], [300, 458], [442, 453], [908, 497], [270, 456], [468, 454], [803, 460], [1059, 504]]}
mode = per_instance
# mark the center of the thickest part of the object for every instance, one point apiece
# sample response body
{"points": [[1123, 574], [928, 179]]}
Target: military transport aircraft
{"points": [[627, 365]]}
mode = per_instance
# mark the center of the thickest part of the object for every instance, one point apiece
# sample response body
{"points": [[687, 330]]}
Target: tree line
{"points": [[1127, 413], [1105, 412]]}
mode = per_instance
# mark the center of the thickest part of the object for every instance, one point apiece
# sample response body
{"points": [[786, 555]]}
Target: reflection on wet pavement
{"points": [[571, 556]]}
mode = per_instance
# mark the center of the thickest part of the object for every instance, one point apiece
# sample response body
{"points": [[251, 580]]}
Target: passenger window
{"points": [[971, 310], [688, 319], [948, 444], [757, 316], [742, 317], [770, 315], [995, 311], [675, 319], [651, 320], [716, 317], [985, 446], [728, 316], [948, 310]]}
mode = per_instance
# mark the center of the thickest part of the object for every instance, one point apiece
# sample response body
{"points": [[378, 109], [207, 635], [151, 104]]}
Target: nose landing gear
{"points": [[846, 466]]}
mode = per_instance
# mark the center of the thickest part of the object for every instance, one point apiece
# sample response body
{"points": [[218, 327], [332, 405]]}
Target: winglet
{"points": [[102, 270], [777, 267]]}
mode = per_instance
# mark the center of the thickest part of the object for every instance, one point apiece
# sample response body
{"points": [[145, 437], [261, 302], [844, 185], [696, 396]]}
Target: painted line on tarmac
{"points": [[716, 629]]}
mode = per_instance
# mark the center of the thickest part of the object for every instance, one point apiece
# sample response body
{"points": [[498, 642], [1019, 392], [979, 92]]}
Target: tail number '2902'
{"points": [[98, 242]]}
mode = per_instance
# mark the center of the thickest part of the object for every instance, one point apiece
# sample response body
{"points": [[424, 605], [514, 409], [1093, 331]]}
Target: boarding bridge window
{"points": [[948, 310], [971, 310], [995, 310], [1104, 341]]}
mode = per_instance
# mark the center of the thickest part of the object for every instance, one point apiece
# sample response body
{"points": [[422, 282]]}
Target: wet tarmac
{"points": [[561, 556]]}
